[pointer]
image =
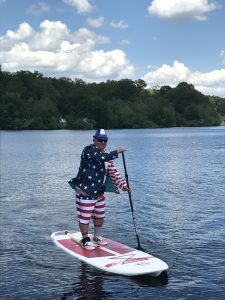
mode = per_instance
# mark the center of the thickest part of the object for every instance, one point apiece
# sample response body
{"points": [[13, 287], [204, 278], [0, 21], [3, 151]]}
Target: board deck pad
{"points": [[115, 257]]}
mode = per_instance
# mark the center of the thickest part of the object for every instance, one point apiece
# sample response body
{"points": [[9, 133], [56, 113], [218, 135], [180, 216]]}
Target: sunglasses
{"points": [[102, 140]]}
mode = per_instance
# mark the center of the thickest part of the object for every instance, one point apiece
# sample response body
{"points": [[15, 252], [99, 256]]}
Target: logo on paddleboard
{"points": [[128, 259]]}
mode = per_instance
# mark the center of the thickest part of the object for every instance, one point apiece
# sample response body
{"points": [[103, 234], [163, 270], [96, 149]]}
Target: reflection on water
{"points": [[149, 281], [177, 177], [88, 285]]}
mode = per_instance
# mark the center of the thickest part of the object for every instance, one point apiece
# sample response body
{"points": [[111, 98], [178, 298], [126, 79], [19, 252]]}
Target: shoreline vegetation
{"points": [[28, 100]]}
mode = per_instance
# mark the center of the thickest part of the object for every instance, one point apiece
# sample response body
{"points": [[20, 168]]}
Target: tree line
{"points": [[29, 100]]}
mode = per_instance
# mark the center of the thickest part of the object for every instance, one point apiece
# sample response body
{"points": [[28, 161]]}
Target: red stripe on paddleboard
{"points": [[72, 246], [112, 245], [118, 247]]}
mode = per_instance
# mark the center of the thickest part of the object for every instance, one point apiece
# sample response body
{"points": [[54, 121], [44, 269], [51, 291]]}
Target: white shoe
{"points": [[87, 244], [98, 240]]}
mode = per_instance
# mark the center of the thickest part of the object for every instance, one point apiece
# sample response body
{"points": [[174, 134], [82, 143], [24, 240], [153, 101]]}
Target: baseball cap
{"points": [[100, 133]]}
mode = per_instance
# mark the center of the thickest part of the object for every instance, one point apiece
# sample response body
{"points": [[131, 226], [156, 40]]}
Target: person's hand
{"points": [[121, 149]]}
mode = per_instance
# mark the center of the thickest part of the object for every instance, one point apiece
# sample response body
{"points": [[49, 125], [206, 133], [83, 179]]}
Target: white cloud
{"points": [[152, 67], [121, 24], [208, 83], [56, 51], [212, 83], [11, 38], [82, 6], [106, 64], [23, 32], [181, 10], [95, 22], [38, 9], [125, 42]]}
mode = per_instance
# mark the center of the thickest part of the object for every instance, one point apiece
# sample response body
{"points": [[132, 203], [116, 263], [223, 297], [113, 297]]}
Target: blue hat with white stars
{"points": [[100, 133]]}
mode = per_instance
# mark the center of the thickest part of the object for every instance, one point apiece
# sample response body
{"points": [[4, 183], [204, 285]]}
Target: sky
{"points": [[163, 42]]}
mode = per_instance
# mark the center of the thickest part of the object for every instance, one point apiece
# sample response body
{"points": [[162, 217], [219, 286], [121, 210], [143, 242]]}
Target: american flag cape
{"points": [[113, 181]]}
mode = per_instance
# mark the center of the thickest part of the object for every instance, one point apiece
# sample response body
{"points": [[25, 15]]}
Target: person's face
{"points": [[100, 143]]}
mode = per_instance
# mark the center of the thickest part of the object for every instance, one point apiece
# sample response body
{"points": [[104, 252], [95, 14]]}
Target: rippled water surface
{"points": [[178, 190]]}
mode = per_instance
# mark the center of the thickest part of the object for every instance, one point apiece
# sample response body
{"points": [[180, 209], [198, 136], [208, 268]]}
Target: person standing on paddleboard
{"points": [[96, 175]]}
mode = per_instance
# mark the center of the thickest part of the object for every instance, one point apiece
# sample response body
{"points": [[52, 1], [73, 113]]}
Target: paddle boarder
{"points": [[90, 184]]}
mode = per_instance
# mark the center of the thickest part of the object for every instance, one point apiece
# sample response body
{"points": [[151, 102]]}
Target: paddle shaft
{"points": [[73, 238], [130, 199]]}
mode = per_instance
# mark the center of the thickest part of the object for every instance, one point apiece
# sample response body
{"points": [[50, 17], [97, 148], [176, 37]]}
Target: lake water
{"points": [[177, 177]]}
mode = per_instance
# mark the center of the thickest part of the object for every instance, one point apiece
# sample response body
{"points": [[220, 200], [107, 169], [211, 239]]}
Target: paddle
{"points": [[130, 199]]}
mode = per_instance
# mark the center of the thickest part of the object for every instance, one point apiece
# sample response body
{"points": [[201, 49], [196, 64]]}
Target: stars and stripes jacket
{"points": [[95, 166]]}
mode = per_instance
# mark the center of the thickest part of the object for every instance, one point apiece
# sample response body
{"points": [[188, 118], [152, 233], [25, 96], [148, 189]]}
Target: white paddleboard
{"points": [[115, 257]]}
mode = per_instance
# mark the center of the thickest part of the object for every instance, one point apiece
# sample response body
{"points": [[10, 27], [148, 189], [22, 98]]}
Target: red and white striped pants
{"points": [[89, 207]]}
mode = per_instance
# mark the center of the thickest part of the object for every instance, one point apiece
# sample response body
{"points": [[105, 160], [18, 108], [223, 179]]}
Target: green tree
{"points": [[28, 100]]}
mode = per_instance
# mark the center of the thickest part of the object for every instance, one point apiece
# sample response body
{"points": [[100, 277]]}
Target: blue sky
{"points": [[162, 42]]}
